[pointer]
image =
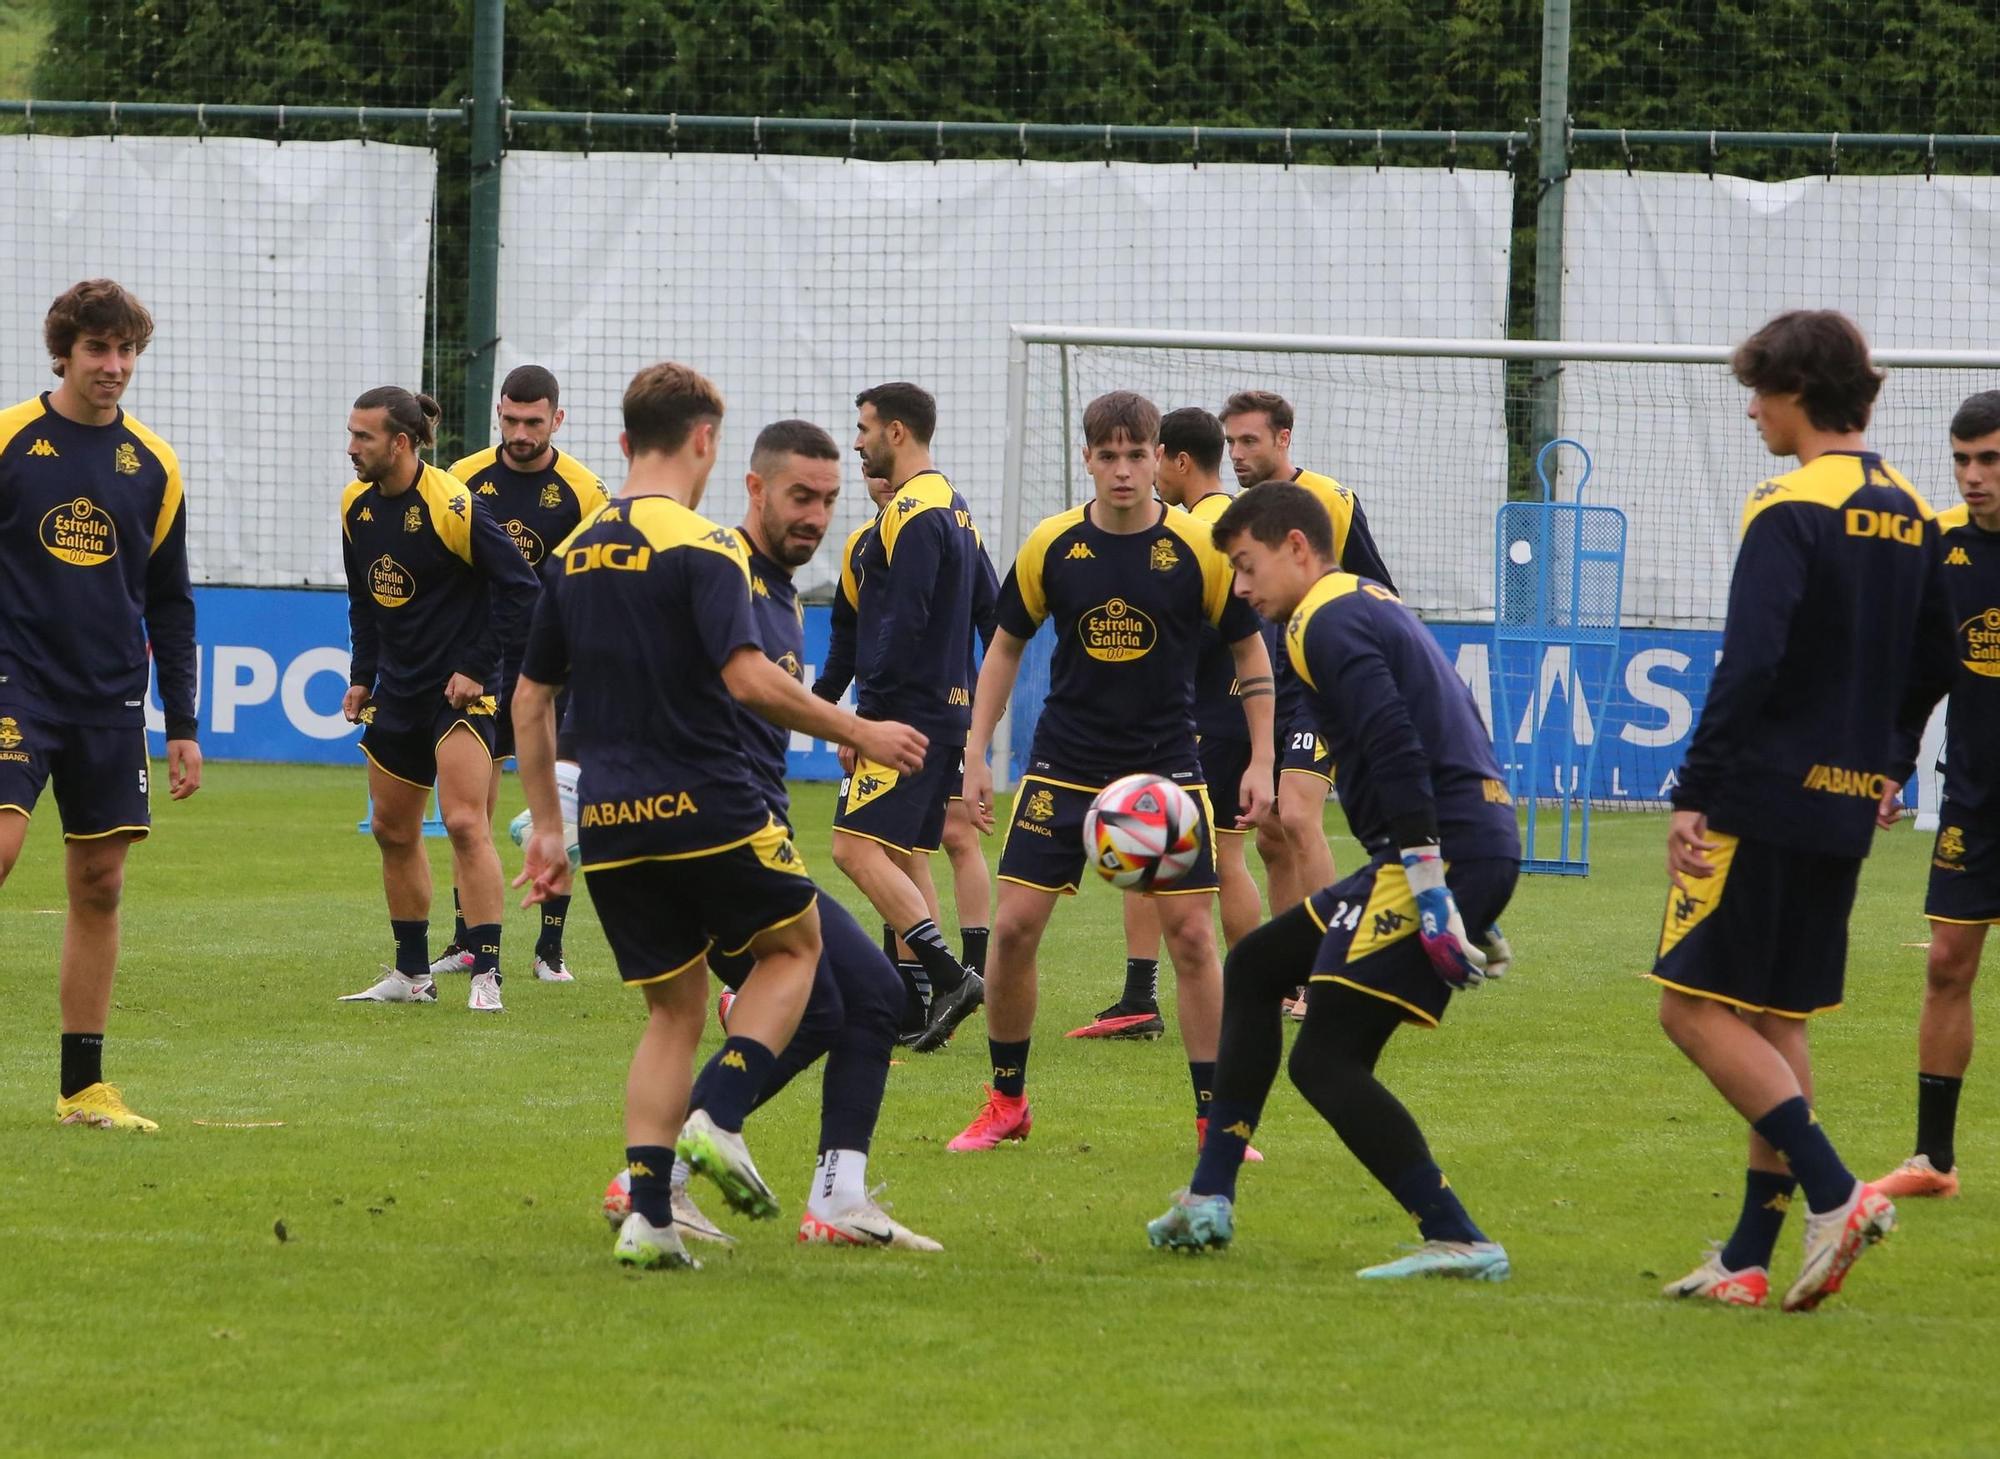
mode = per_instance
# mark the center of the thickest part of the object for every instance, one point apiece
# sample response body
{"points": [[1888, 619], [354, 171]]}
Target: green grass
{"points": [[447, 1286], [24, 28]]}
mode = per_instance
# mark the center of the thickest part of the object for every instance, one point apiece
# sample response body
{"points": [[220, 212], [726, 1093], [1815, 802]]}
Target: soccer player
{"points": [[1835, 632], [920, 576], [538, 496], [1191, 446], [651, 624], [1964, 895], [1130, 584], [93, 564], [854, 1012], [971, 881], [1257, 425], [434, 590], [1387, 945]]}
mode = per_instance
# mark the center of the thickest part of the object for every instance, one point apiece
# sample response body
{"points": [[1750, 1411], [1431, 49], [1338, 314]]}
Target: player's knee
{"points": [[395, 835], [851, 853], [467, 826], [1273, 845], [1299, 816], [1949, 973], [97, 883], [1681, 1019]]}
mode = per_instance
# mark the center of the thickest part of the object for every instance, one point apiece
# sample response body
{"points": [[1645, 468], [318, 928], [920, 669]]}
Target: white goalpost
{"points": [[1434, 435]]}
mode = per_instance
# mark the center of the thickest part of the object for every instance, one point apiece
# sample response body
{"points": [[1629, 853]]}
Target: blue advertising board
{"points": [[273, 667]]}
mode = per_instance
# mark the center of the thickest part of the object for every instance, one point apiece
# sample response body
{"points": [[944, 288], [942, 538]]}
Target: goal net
{"points": [[1434, 435]]}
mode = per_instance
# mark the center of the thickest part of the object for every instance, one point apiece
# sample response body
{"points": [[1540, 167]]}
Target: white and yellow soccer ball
{"points": [[1142, 832]]}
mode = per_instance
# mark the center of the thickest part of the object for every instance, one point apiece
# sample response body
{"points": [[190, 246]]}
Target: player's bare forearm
{"points": [[1259, 692], [535, 751], [761, 686]]}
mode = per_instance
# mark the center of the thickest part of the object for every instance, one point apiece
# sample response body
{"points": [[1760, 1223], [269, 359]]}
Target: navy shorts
{"points": [[1224, 762], [1370, 922], [1766, 933], [664, 916], [903, 812], [1965, 871], [1303, 752], [1044, 847], [401, 737], [101, 774]]}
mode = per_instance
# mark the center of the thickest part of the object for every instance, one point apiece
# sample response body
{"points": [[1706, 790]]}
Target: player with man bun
{"points": [[434, 591]]}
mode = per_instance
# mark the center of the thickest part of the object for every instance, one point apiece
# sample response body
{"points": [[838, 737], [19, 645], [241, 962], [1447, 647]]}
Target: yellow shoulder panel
{"points": [[1217, 576], [1333, 586], [1211, 507], [850, 576], [665, 524], [1917, 502], [15, 417], [576, 532], [583, 483], [1339, 504], [348, 495], [926, 491], [1952, 518], [465, 468], [1032, 560], [450, 503], [170, 499], [1826, 482]]}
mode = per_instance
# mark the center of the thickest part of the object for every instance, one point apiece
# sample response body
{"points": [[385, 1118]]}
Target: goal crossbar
{"points": [[1023, 337]]}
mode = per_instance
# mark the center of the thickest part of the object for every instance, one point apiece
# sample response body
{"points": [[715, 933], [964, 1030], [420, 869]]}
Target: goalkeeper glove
{"points": [[1439, 926]]}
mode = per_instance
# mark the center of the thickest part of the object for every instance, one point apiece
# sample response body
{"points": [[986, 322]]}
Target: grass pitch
{"points": [[445, 1284]]}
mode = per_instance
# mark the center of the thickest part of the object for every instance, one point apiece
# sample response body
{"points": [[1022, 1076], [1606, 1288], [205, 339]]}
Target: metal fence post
{"points": [[1552, 174], [482, 264]]}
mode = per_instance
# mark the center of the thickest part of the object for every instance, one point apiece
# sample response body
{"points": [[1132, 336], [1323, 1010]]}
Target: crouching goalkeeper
{"points": [[1387, 945]]}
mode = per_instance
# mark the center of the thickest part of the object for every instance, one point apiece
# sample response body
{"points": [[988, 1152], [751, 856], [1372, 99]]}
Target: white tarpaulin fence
{"points": [[1674, 258], [283, 281], [794, 282]]}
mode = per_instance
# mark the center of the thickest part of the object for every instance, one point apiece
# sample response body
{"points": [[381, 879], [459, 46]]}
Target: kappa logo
{"points": [[1078, 552], [723, 537], [1165, 559], [42, 448], [1957, 558], [866, 787], [734, 1060], [906, 505], [125, 461], [365, 515], [1041, 806], [758, 588], [784, 853], [10, 733], [457, 507], [413, 519], [1241, 1130], [1388, 924], [1768, 490], [551, 497], [487, 488], [639, 1168], [1684, 908]]}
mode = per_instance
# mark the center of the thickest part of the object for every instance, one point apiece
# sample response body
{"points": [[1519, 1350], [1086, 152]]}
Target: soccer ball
{"points": [[522, 824], [1142, 832], [618, 1199]]}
